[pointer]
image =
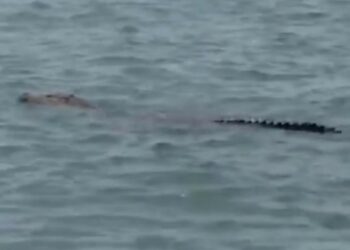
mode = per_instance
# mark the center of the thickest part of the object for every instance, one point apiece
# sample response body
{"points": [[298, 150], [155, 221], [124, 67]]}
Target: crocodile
{"points": [[70, 100]]}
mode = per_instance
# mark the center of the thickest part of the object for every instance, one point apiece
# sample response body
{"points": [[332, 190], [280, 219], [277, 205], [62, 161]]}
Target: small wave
{"points": [[32, 19], [264, 76], [97, 13], [307, 16]]}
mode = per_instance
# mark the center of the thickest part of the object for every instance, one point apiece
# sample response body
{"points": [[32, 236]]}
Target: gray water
{"points": [[150, 171]]}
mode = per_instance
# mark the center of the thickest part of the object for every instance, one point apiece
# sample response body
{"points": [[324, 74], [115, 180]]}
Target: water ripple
{"points": [[149, 169]]}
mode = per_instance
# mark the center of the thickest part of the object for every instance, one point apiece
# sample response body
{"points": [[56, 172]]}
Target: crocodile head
{"points": [[56, 99]]}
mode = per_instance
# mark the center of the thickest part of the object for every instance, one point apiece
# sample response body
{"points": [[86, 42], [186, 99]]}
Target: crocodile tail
{"points": [[294, 126]]}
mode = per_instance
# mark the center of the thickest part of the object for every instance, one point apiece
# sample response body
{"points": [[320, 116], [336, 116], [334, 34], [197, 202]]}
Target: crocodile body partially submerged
{"points": [[56, 99], [74, 101]]}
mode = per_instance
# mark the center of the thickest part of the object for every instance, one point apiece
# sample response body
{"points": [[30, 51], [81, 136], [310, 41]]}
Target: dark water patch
{"points": [[164, 149], [20, 171], [307, 17], [170, 177], [332, 221], [130, 29], [336, 222], [274, 225], [292, 197], [35, 21], [118, 60], [74, 73], [9, 150], [100, 138], [96, 14], [238, 139], [148, 73], [18, 70], [251, 244], [38, 5], [306, 149], [96, 222], [107, 193], [211, 165], [285, 38], [222, 226], [257, 75], [43, 203], [91, 19], [41, 244], [43, 189], [75, 169], [121, 160], [341, 185], [162, 242], [167, 203], [123, 222], [225, 193], [338, 105], [63, 232]]}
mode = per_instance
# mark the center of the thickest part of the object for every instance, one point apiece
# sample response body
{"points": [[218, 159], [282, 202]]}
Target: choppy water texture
{"points": [[150, 172]]}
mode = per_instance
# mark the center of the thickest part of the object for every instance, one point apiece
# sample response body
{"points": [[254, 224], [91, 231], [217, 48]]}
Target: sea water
{"points": [[149, 170]]}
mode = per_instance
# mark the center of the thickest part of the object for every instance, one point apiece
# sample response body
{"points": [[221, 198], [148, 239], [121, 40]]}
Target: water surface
{"points": [[152, 172]]}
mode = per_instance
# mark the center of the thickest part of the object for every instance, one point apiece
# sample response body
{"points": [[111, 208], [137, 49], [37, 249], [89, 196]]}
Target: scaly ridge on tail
{"points": [[294, 126]]}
